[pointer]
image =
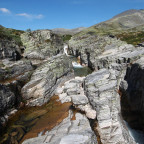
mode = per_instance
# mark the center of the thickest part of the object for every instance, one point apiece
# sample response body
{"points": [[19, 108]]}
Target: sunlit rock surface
{"points": [[45, 79], [101, 89], [41, 44], [76, 131]]}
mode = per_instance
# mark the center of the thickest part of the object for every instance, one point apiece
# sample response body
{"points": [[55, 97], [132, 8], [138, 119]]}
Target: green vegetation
{"points": [[132, 37], [11, 34], [66, 37]]}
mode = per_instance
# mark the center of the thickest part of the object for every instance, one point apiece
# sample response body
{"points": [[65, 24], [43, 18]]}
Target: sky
{"points": [[50, 14]]}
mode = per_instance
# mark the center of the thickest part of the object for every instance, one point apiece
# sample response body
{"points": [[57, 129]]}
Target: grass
{"points": [[66, 37], [133, 38], [11, 34]]}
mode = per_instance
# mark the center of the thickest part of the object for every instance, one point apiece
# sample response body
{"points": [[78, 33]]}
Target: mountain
{"points": [[64, 31], [125, 20], [128, 26]]}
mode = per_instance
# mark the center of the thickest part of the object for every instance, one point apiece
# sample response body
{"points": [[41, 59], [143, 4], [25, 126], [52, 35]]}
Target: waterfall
{"points": [[66, 49]]}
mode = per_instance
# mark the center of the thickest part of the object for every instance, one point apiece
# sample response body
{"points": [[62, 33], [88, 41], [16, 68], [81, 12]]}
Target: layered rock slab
{"points": [[45, 79], [68, 132], [101, 89]]}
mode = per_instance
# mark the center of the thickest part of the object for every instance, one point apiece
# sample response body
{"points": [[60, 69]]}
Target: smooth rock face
{"points": [[41, 44], [45, 79], [102, 93], [76, 131]]}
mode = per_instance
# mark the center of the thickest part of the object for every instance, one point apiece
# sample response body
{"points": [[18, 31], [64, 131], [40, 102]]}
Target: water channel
{"points": [[30, 122]]}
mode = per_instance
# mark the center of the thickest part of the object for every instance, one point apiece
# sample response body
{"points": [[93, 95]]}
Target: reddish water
{"points": [[30, 121]]}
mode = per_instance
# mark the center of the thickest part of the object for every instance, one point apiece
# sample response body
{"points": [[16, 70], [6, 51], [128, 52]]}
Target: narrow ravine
{"points": [[131, 91], [30, 122]]}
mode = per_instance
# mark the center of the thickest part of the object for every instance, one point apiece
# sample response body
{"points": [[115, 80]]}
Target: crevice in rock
{"points": [[93, 124], [132, 99]]}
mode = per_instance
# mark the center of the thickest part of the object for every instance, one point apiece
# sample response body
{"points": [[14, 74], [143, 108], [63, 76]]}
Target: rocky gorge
{"points": [[43, 101]]}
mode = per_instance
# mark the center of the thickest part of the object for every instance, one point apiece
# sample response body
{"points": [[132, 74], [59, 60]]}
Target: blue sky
{"points": [[49, 14]]}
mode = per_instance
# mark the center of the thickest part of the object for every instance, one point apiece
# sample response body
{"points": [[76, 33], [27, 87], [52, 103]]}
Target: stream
{"points": [[29, 122]]}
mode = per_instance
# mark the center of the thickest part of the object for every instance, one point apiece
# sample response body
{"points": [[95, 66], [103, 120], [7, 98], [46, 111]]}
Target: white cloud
{"points": [[30, 16], [24, 15], [39, 16], [4, 10]]}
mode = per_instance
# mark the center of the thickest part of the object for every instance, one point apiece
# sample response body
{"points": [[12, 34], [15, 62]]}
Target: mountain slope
{"points": [[124, 25], [64, 31]]}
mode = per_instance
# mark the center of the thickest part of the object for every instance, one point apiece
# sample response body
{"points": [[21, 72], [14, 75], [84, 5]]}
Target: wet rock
{"points": [[76, 131]]}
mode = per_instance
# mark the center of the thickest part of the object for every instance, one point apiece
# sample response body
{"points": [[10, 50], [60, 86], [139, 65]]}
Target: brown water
{"points": [[30, 121]]}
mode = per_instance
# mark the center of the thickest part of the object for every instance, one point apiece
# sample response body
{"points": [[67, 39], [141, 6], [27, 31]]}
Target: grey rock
{"points": [[73, 91], [79, 99], [10, 49], [105, 100], [73, 132], [41, 44], [46, 78], [7, 98]]}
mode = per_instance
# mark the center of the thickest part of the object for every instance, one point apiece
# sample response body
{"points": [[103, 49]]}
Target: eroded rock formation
{"points": [[46, 78], [41, 44]]}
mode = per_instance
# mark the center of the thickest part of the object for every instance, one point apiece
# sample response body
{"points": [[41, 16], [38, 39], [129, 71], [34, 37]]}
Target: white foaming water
{"points": [[66, 49], [77, 65], [137, 135]]}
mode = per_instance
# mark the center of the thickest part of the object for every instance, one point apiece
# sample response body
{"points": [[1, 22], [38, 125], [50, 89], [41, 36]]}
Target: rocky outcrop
{"points": [[7, 98], [72, 91], [41, 44], [89, 47], [13, 76], [101, 89], [14, 70], [9, 49], [45, 79], [68, 132], [102, 52]]}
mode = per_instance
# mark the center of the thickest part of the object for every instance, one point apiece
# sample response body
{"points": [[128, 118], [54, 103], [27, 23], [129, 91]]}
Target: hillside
{"points": [[64, 31], [125, 26]]}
